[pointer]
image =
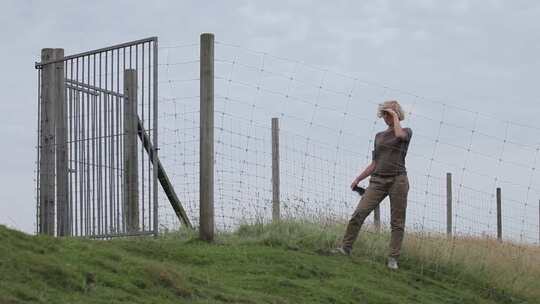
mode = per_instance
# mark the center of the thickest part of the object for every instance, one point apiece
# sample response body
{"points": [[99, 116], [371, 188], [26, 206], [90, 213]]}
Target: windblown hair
{"points": [[391, 104]]}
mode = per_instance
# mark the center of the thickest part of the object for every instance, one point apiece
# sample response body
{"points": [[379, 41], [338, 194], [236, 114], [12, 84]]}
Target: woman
{"points": [[388, 177]]}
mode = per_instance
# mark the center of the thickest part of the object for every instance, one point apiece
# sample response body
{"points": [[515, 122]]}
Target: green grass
{"points": [[286, 263]]}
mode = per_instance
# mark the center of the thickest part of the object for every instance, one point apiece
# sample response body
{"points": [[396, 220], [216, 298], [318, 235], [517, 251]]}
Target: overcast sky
{"points": [[482, 55]]}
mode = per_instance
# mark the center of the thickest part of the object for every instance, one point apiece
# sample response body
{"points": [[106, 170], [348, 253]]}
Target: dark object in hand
{"points": [[358, 189]]}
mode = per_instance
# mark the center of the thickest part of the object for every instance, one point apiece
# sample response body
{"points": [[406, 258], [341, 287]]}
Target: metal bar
{"points": [[87, 159], [150, 176], [38, 150], [111, 170], [82, 90], [142, 149], [94, 126], [84, 228], [118, 155], [98, 142], [108, 117], [206, 149], [105, 149], [94, 88], [69, 113], [81, 155], [81, 162], [70, 158], [275, 171], [78, 171], [124, 194], [101, 208], [96, 51], [85, 106], [156, 142], [90, 163]]}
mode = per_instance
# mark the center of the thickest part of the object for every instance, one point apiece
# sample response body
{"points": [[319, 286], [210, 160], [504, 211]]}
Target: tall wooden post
{"points": [[52, 95], [131, 169], [449, 204], [275, 171], [206, 147], [499, 215]]}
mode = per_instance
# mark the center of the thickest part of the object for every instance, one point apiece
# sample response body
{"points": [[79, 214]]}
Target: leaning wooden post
{"points": [[275, 170], [449, 204], [51, 95], [206, 146], [499, 215], [131, 169]]}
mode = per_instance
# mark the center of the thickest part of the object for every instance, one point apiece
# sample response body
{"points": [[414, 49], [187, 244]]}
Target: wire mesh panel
{"points": [[97, 152]]}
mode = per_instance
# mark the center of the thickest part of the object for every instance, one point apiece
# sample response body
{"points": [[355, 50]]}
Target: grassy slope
{"points": [[250, 266]]}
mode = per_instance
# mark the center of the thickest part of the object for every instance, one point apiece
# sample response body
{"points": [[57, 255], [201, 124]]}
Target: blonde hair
{"points": [[391, 104]]}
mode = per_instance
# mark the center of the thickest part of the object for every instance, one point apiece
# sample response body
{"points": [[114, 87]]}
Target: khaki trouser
{"points": [[397, 187]]}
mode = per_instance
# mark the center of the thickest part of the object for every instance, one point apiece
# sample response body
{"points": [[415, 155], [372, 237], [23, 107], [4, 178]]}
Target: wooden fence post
{"points": [[206, 149], [499, 215], [275, 171], [52, 97], [131, 176], [449, 204]]}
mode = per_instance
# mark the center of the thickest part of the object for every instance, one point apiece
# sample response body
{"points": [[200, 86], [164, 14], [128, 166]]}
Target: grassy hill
{"points": [[286, 263]]}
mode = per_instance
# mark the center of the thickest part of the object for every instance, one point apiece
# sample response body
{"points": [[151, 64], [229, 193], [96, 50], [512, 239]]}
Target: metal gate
{"points": [[93, 177]]}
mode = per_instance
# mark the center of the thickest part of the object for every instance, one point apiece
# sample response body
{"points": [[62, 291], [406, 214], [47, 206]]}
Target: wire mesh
{"points": [[327, 127]]}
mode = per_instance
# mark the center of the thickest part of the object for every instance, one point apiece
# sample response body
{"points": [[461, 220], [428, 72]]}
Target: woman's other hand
{"points": [[354, 183]]}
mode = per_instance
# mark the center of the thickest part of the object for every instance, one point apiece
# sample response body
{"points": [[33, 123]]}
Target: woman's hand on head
{"points": [[391, 112]]}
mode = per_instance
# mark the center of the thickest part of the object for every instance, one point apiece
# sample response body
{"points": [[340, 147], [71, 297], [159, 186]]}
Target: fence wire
{"points": [[327, 126]]}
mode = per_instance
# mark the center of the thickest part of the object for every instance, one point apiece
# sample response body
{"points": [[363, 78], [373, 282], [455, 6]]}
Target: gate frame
{"points": [[52, 183]]}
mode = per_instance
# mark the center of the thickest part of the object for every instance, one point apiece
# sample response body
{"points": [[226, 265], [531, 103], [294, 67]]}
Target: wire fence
{"points": [[327, 126]]}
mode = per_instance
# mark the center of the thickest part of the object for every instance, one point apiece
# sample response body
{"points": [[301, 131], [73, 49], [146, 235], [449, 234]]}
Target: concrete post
{"points": [[377, 218], [275, 171], [499, 215], [206, 148], [131, 169], [449, 204], [62, 212], [51, 95]]}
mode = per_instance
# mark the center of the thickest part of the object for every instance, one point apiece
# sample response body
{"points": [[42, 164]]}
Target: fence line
{"points": [[327, 123]]}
